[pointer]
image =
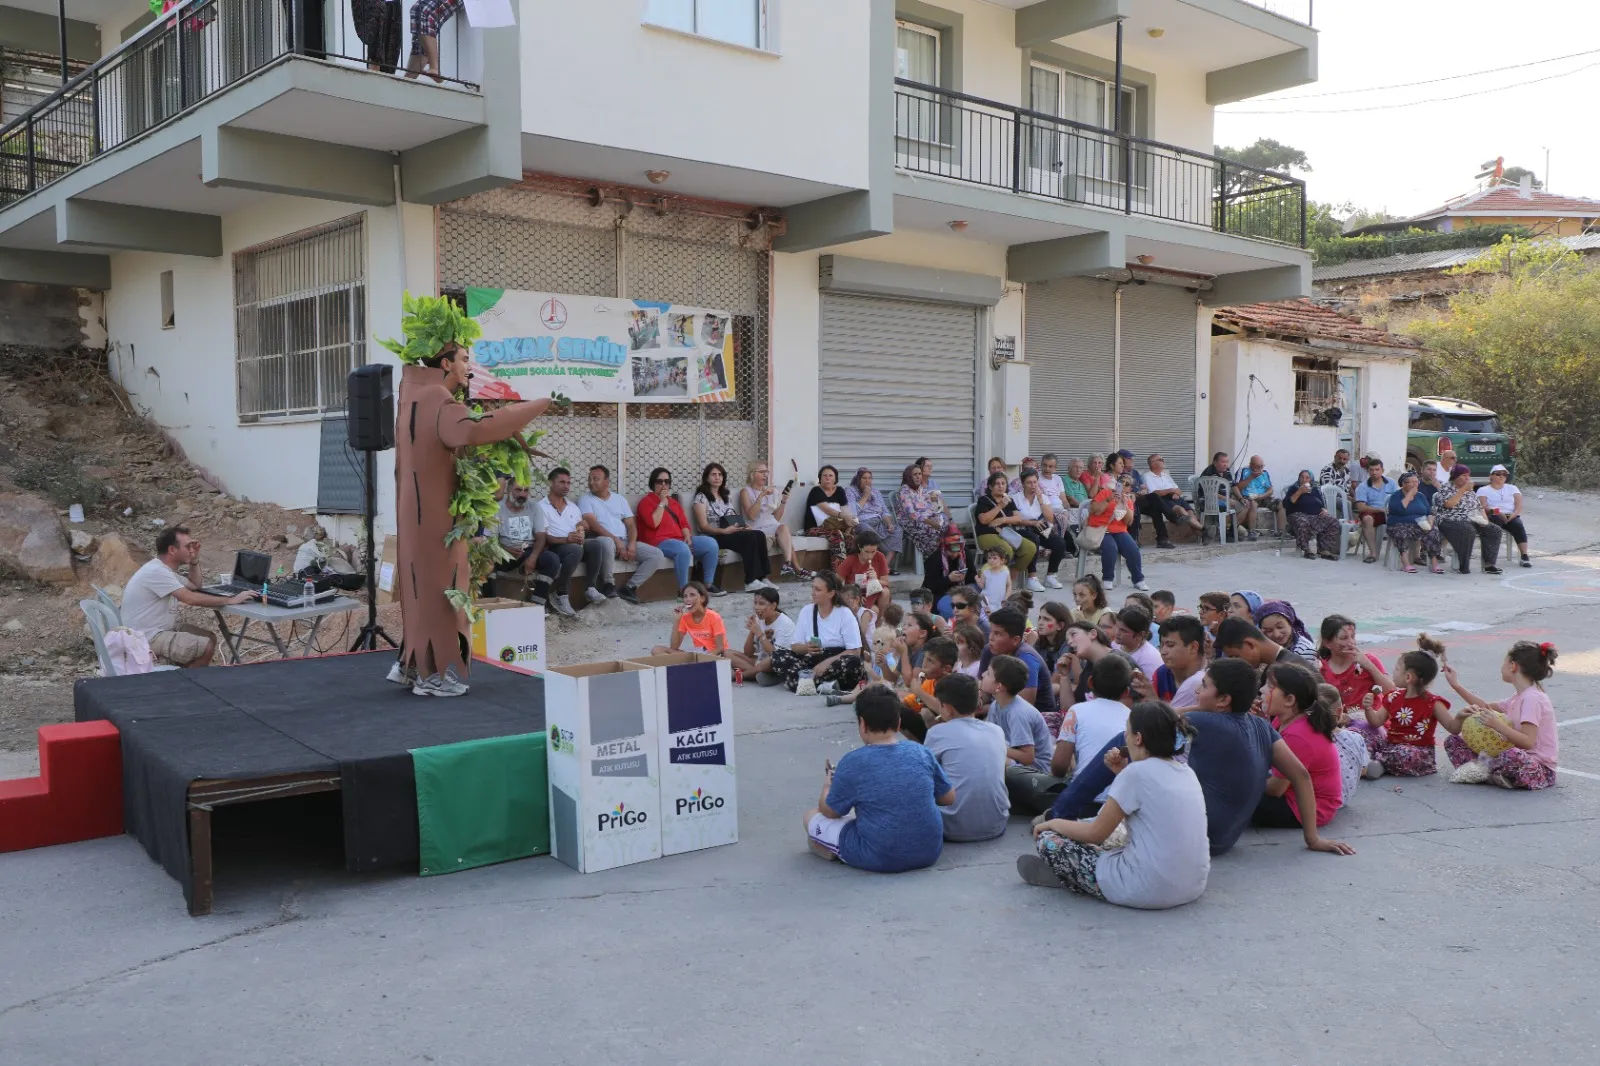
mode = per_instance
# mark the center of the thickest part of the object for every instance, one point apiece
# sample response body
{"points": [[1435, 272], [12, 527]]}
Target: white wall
{"points": [[184, 378], [991, 67], [1385, 399], [1258, 418], [797, 320], [594, 73]]}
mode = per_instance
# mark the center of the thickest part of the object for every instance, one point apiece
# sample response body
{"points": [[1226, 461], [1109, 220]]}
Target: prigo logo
{"points": [[620, 817], [697, 802]]}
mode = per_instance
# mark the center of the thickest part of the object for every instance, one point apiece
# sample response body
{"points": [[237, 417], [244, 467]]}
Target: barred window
{"points": [[300, 316], [1316, 392]]}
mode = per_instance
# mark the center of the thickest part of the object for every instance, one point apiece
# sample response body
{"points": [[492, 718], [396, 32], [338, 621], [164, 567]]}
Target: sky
{"points": [[1409, 159]]}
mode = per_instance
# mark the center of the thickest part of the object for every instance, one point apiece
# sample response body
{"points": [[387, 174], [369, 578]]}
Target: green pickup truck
{"points": [[1472, 431]]}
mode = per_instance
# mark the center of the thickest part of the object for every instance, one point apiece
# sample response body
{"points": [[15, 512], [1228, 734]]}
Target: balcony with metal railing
{"points": [[963, 138], [192, 53]]}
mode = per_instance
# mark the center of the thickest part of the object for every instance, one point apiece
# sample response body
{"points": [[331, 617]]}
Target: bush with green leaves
{"points": [[1526, 345]]}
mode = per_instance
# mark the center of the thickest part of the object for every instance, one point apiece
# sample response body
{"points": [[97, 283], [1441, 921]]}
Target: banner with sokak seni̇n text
{"points": [[597, 349]]}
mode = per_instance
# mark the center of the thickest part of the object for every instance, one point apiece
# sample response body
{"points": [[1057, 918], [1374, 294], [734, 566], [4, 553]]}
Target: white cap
{"points": [[1498, 468]]}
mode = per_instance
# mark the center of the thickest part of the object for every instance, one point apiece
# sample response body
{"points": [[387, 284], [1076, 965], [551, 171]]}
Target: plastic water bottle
{"points": [[310, 596]]}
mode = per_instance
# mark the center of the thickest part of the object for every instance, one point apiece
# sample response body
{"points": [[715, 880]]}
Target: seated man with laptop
{"points": [[150, 601]]}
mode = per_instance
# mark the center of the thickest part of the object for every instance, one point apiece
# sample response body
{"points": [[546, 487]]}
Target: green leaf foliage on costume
{"points": [[430, 324], [474, 507]]}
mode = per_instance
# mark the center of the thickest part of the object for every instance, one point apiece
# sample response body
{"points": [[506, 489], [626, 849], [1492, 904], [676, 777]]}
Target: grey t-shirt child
{"points": [[1168, 856], [1022, 725], [973, 755]]}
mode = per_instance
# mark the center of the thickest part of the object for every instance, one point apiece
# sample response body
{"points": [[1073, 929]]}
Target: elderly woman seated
{"points": [[1309, 519], [1410, 521], [872, 512]]}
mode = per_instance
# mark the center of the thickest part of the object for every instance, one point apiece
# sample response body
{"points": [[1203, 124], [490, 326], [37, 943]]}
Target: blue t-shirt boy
{"points": [[892, 788]]}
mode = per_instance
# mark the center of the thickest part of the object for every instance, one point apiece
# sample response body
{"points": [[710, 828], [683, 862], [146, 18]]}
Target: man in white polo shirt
{"points": [[1163, 501], [563, 541], [609, 517]]}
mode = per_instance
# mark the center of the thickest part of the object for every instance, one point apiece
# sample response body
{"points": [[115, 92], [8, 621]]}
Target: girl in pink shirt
{"points": [[1529, 724]]}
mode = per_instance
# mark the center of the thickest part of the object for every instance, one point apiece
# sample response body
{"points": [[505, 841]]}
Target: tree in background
{"points": [[1268, 154], [1526, 346]]}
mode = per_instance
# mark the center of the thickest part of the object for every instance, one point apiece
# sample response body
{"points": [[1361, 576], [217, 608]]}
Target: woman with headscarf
{"points": [[1309, 519], [947, 566], [867, 504], [1278, 621], [1244, 604], [921, 512]]}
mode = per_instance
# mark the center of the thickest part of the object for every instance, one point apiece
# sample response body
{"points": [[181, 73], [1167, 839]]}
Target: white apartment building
{"points": [[951, 230]]}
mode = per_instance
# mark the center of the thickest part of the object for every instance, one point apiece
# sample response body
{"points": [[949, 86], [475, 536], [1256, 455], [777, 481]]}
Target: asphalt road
{"points": [[1464, 930]]}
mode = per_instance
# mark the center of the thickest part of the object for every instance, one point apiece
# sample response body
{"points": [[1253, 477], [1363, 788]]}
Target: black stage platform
{"points": [[196, 739]]}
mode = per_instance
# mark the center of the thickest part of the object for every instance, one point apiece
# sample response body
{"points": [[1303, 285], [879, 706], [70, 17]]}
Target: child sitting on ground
{"points": [[895, 790], [1353, 757], [1029, 744], [994, 580], [1412, 712], [1167, 858], [970, 643], [866, 618], [1527, 720], [938, 663], [973, 755]]}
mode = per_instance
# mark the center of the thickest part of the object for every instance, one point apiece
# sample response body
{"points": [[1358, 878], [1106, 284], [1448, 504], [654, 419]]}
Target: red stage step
{"points": [[77, 795]]}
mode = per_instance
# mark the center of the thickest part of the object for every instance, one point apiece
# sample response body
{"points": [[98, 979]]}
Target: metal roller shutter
{"points": [[899, 380], [1072, 370], [1158, 383]]}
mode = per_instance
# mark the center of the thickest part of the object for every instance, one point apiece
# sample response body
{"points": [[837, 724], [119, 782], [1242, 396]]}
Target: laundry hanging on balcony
{"points": [[194, 23]]}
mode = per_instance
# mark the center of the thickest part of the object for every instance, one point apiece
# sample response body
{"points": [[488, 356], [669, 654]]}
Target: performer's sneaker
{"points": [[445, 684], [594, 595], [399, 675]]}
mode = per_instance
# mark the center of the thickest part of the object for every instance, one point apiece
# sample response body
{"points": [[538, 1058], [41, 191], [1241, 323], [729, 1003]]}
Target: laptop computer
{"points": [[251, 571]]}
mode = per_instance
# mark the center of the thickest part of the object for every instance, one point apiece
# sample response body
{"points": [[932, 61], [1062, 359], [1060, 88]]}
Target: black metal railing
{"points": [[189, 54], [966, 138]]}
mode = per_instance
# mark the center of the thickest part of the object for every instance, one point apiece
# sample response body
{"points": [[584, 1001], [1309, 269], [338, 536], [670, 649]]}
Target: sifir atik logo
{"points": [[620, 817], [697, 802]]}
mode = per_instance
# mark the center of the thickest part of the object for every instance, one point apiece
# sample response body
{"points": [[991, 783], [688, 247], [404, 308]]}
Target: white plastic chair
{"points": [[105, 597], [103, 618], [1216, 505], [1344, 512]]}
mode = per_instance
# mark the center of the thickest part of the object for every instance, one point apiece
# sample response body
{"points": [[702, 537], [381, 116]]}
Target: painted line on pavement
{"points": [[1579, 721], [1577, 773]]}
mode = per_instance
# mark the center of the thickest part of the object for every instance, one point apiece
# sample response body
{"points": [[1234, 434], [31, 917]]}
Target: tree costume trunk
{"points": [[431, 425]]}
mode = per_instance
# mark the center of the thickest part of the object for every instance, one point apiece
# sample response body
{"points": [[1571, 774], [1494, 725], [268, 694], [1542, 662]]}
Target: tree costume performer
{"points": [[447, 456]]}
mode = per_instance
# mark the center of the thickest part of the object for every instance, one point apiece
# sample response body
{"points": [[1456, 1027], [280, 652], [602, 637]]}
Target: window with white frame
{"points": [[917, 58], [300, 320], [1080, 98], [1316, 392], [742, 22]]}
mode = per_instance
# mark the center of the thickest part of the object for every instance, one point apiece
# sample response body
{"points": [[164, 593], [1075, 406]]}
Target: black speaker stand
{"points": [[367, 639]]}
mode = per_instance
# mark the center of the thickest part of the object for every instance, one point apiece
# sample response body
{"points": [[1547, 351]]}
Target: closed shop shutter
{"points": [[899, 380], [1158, 375], [1071, 367]]}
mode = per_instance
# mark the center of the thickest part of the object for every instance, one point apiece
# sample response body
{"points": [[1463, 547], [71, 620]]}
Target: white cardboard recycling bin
{"points": [[699, 785], [605, 795], [511, 633]]}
